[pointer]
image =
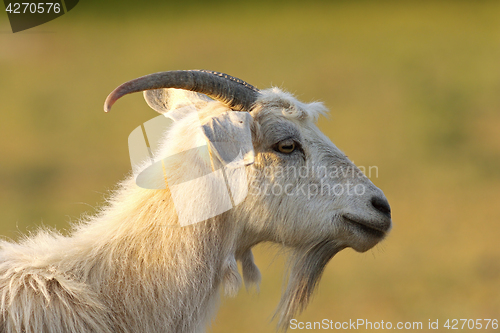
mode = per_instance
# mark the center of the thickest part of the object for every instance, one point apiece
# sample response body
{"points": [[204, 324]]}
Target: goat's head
{"points": [[303, 192]]}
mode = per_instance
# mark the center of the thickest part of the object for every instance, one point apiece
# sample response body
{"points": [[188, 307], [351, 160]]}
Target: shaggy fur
{"points": [[132, 268]]}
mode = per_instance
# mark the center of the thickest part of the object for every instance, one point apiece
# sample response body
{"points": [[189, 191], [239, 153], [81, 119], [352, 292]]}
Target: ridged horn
{"points": [[235, 93]]}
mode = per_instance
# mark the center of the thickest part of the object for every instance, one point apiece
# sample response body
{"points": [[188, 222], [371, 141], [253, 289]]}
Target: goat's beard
{"points": [[306, 267]]}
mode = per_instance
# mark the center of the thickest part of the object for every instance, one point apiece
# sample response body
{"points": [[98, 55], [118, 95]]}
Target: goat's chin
{"points": [[361, 241], [365, 245], [306, 267]]}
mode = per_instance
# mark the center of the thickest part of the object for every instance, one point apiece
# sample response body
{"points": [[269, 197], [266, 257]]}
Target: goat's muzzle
{"points": [[370, 228]]}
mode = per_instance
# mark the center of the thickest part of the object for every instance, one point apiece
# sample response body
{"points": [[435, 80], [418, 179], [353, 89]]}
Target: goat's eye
{"points": [[286, 146]]}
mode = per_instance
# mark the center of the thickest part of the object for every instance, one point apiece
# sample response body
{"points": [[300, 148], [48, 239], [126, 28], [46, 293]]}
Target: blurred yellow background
{"points": [[413, 88]]}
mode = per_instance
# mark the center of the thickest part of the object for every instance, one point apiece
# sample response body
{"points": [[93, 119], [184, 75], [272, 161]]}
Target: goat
{"points": [[146, 264]]}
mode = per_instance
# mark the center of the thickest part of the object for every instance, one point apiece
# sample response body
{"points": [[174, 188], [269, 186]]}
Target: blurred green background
{"points": [[413, 88]]}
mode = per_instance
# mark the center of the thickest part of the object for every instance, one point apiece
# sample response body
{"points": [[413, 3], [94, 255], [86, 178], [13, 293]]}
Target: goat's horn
{"points": [[235, 93]]}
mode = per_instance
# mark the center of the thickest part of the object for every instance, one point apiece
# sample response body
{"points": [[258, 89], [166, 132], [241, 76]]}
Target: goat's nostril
{"points": [[381, 205]]}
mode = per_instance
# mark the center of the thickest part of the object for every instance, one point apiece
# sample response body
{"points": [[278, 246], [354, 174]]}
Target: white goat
{"points": [[133, 268]]}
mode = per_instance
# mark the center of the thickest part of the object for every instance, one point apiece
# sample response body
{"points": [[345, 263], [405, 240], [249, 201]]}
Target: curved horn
{"points": [[235, 93]]}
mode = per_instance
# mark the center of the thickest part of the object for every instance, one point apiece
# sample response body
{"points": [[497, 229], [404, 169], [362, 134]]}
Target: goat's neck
{"points": [[143, 260]]}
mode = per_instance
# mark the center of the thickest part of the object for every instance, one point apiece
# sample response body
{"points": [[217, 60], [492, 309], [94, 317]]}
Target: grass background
{"points": [[413, 88]]}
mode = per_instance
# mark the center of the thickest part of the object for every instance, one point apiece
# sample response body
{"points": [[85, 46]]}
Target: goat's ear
{"points": [[171, 101], [230, 138], [157, 99]]}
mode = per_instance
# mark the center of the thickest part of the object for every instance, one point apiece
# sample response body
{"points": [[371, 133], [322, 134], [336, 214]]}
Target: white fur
{"points": [[132, 268]]}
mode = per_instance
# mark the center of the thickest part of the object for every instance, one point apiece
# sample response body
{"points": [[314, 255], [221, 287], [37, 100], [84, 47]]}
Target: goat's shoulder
{"points": [[37, 295]]}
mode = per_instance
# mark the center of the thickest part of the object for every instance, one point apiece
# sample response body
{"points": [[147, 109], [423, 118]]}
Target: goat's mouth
{"points": [[368, 228]]}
